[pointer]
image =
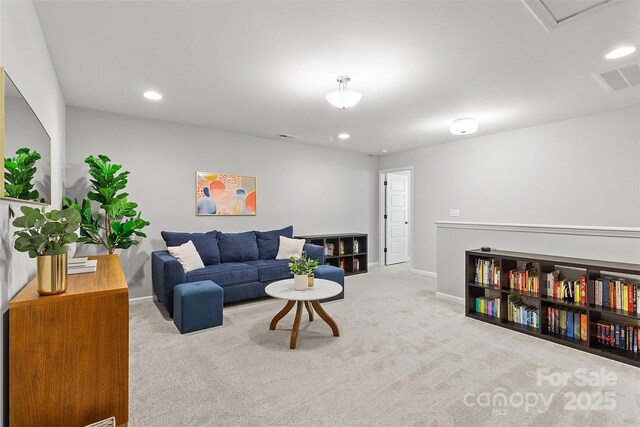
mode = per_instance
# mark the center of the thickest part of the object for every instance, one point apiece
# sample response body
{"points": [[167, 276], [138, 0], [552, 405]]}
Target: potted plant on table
{"points": [[118, 224], [302, 269], [44, 236]]}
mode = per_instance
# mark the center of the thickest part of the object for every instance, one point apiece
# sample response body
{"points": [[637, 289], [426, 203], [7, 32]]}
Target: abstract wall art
{"points": [[224, 194]]}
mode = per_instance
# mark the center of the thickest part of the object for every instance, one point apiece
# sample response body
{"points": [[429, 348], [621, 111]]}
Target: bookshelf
{"points": [[578, 292], [347, 251]]}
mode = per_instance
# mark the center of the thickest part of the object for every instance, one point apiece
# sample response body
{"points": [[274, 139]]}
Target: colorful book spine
{"points": [[622, 337], [488, 306]]}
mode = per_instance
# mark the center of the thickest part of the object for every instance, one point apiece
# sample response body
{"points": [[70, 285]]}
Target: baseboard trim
{"points": [[580, 230], [141, 300], [425, 273], [450, 298]]}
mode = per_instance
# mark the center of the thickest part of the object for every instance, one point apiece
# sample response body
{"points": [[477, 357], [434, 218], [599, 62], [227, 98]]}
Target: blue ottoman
{"points": [[197, 305], [335, 274]]}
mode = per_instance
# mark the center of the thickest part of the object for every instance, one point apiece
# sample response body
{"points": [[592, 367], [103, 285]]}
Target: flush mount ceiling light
{"points": [[152, 95], [464, 126], [343, 97], [344, 136], [620, 52]]}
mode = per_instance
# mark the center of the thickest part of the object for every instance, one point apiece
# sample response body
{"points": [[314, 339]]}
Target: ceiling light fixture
{"points": [[152, 95], [620, 52], [343, 97], [464, 126], [344, 136]]}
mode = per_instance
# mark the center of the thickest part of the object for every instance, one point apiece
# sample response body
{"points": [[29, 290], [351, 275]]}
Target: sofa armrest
{"points": [[314, 252], [166, 272]]}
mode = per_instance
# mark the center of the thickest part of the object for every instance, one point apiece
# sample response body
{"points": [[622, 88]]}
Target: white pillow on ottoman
{"points": [[289, 248], [187, 255]]}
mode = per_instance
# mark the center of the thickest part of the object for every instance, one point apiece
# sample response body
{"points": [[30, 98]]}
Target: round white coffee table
{"points": [[283, 289]]}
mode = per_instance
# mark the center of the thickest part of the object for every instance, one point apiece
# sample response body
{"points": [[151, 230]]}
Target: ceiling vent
{"points": [[619, 77], [551, 13], [286, 135]]}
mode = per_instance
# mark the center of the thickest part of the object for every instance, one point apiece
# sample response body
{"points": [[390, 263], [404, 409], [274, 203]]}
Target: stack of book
{"points": [[356, 265], [81, 265], [525, 280], [521, 313], [622, 337], [488, 272], [567, 323], [617, 294], [568, 290], [488, 306]]}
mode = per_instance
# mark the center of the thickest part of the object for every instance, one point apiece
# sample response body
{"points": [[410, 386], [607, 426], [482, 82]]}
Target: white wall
{"points": [[583, 171], [23, 53], [318, 190]]}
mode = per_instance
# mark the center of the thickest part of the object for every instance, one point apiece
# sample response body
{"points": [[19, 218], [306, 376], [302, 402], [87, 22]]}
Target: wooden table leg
{"points": [[323, 314], [287, 308], [309, 310], [296, 325]]}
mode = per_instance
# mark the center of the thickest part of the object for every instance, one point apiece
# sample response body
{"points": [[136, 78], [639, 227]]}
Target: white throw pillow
{"points": [[187, 255], [289, 248]]}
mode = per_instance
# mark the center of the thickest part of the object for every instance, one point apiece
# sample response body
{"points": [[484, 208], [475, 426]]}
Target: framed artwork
{"points": [[223, 194]]}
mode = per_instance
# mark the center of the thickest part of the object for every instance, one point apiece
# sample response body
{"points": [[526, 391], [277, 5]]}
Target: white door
{"points": [[397, 220]]}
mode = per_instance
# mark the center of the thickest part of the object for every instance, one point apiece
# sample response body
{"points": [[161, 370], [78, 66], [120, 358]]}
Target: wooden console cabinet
{"points": [[69, 353]]}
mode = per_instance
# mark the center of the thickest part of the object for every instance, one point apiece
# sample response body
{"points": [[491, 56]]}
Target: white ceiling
{"points": [[263, 68]]}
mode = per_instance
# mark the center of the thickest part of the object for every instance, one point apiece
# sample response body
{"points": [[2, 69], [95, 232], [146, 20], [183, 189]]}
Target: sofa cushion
{"points": [[206, 244], [187, 255], [290, 248], [272, 269], [269, 241], [238, 247], [225, 274]]}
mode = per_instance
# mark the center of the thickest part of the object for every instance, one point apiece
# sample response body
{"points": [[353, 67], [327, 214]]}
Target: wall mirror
{"points": [[26, 148]]}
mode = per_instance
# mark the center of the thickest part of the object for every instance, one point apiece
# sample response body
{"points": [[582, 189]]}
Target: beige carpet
{"points": [[403, 358]]}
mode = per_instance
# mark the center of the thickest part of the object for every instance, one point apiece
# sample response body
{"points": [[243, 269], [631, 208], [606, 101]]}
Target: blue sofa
{"points": [[241, 263]]}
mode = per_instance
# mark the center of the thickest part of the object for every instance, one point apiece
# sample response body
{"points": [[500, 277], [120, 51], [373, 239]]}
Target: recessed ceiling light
{"points": [[620, 52], [152, 95], [344, 136], [383, 151], [464, 126]]}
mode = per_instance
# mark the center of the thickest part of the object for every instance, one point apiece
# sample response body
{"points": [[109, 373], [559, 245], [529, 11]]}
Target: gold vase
{"points": [[52, 274], [310, 281]]}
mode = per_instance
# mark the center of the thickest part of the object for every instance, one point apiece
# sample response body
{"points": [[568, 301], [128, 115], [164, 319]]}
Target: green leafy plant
{"points": [[119, 224], [303, 265], [18, 175], [46, 233]]}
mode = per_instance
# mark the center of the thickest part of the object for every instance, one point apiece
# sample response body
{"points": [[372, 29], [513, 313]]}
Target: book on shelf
{"points": [[571, 323], [341, 247], [616, 294], [565, 289], [89, 266], [356, 264], [356, 246], [487, 272], [519, 312], [488, 306], [621, 336], [525, 280]]}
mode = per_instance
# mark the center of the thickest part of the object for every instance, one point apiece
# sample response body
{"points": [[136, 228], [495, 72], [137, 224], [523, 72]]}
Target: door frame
{"points": [[381, 209]]}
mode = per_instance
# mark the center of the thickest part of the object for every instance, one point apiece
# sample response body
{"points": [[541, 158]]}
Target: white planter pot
{"points": [[300, 282]]}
